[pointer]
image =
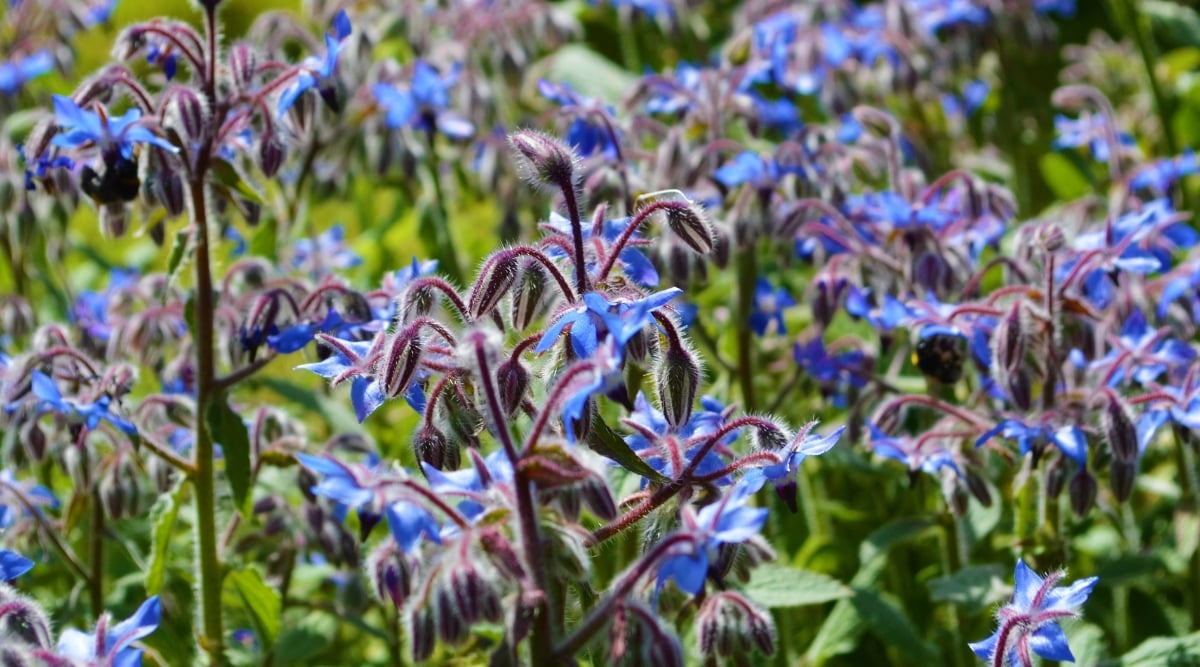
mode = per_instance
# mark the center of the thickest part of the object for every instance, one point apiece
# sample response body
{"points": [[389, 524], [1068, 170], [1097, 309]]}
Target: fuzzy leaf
{"points": [[606, 442], [973, 587], [162, 517], [777, 586], [261, 601], [229, 431], [1161, 651]]}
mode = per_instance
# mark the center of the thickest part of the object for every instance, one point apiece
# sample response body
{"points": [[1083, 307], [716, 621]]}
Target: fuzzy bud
{"points": [[1082, 492], [727, 623], [1120, 431], [1123, 473], [22, 621], [495, 280], [422, 633], [1008, 341], [501, 553], [189, 113], [401, 362], [542, 160], [676, 379], [430, 446], [390, 573], [512, 380], [527, 296], [978, 488], [242, 61], [687, 221], [598, 498], [271, 154]]}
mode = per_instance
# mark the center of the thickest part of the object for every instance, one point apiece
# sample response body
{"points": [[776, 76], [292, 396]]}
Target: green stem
{"points": [[1026, 518], [951, 563], [1185, 461]]}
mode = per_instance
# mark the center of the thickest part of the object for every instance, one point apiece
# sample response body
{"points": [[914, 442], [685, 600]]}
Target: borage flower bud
{"points": [[431, 446], [189, 114], [462, 418], [727, 623], [501, 553], [638, 629], [512, 379], [1120, 431], [978, 488], [422, 632], [687, 221], [598, 497], [1082, 492], [495, 279], [22, 621], [676, 379], [390, 573], [20, 656], [527, 296], [271, 154], [401, 361], [242, 61], [1008, 341], [542, 160]]}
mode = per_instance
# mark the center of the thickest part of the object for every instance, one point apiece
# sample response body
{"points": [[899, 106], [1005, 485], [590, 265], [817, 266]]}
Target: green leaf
{"points": [[264, 240], [588, 72], [777, 586], [178, 251], [261, 601], [1064, 177], [981, 519], [1161, 651], [886, 620], [229, 431], [162, 516], [311, 636], [974, 587], [1174, 23], [228, 175], [602, 439]]}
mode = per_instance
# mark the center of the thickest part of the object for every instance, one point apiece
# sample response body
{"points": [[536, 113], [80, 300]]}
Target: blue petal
{"points": [[687, 571], [143, 622], [1071, 441], [366, 397], [1027, 583], [409, 523], [1049, 642], [13, 565]]}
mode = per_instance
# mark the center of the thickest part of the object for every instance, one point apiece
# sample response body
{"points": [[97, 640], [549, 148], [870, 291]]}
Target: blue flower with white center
{"points": [[928, 458], [711, 416], [1143, 354], [782, 475], [1091, 131], [318, 72], [768, 306], [597, 316], [893, 313], [1029, 623], [632, 261], [50, 399], [729, 520], [326, 254], [20, 70], [111, 135], [90, 310], [339, 482], [1070, 439], [591, 129], [13, 565], [112, 647], [835, 372], [749, 167]]}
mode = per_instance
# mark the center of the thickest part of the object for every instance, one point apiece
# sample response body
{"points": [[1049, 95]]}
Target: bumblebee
{"points": [[940, 356], [118, 183]]}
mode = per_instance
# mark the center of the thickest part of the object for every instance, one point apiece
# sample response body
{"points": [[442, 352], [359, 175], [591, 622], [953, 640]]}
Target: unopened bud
{"points": [[512, 379], [22, 621], [390, 573], [430, 446], [402, 361], [598, 498], [190, 114], [687, 221], [978, 488], [542, 160], [242, 62], [1020, 389], [728, 623], [270, 155], [929, 271], [1082, 492], [494, 282], [676, 379], [422, 634], [1120, 431], [527, 296], [501, 553]]}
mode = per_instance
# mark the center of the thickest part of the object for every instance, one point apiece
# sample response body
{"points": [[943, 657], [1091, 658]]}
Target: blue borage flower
{"points": [[18, 71], [326, 254], [632, 261], [1030, 621], [782, 475], [1160, 175], [90, 310], [1069, 439], [354, 361], [598, 316], [592, 125], [470, 483], [651, 8], [318, 72], [424, 103], [836, 372], [13, 565], [410, 523], [1143, 354], [728, 520], [768, 306], [711, 416], [112, 646], [111, 135], [1091, 131], [48, 398], [928, 456]]}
